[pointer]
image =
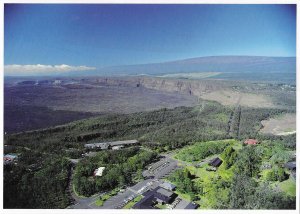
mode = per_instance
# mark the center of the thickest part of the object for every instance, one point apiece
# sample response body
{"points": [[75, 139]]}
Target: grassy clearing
{"points": [[99, 202], [201, 150], [288, 186], [201, 172]]}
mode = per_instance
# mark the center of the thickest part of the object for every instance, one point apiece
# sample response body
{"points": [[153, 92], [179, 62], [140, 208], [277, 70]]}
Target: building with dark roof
{"points": [[151, 197], [164, 196], [192, 205], [216, 162], [147, 202]]}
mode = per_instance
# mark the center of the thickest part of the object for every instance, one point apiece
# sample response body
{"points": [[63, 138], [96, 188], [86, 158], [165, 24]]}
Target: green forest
{"points": [[40, 177], [121, 168]]}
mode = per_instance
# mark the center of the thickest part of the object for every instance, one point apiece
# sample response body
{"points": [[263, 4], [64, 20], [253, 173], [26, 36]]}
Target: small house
{"points": [[99, 172], [164, 196], [147, 201], [151, 197], [216, 162], [251, 142]]}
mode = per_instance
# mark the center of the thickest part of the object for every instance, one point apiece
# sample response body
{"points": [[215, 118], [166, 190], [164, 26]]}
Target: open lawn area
{"points": [[288, 186], [201, 150]]}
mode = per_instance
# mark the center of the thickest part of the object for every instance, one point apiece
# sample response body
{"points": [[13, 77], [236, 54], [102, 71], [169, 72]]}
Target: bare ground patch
{"points": [[283, 125], [228, 97]]}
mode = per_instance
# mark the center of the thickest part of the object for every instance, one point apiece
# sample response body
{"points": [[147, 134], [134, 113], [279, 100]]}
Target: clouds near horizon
{"points": [[43, 69]]}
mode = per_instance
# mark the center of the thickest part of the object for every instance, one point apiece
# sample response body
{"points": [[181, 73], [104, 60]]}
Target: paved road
{"points": [[117, 201]]}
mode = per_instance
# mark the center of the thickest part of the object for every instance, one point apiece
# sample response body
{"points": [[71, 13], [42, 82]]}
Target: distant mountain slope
{"points": [[249, 68], [226, 64]]}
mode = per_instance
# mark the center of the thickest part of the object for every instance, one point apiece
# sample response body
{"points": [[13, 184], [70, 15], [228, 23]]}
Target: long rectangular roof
{"points": [[12, 156], [112, 143], [123, 142]]}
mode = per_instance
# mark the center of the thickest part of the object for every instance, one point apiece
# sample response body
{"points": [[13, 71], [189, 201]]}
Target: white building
{"points": [[117, 147], [99, 171]]}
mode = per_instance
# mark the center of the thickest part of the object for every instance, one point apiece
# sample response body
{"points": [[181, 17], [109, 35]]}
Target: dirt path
{"points": [[234, 118]]}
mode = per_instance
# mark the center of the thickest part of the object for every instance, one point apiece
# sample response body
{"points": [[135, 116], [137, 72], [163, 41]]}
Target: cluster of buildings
{"points": [[114, 145], [163, 194]]}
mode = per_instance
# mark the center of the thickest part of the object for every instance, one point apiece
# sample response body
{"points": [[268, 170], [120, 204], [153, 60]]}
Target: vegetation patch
{"points": [[121, 168], [99, 202], [288, 186], [202, 150], [133, 202]]}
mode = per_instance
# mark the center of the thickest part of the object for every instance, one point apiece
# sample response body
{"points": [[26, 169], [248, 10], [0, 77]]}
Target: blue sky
{"points": [[107, 35]]}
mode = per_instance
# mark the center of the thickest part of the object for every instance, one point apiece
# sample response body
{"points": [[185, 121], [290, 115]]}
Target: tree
{"points": [[267, 198], [229, 156], [241, 191], [248, 161]]}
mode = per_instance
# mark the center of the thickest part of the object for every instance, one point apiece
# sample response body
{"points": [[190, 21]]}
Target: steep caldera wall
{"points": [[191, 87]]}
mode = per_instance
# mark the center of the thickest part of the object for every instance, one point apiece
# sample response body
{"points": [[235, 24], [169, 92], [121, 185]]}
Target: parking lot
{"points": [[161, 169]]}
